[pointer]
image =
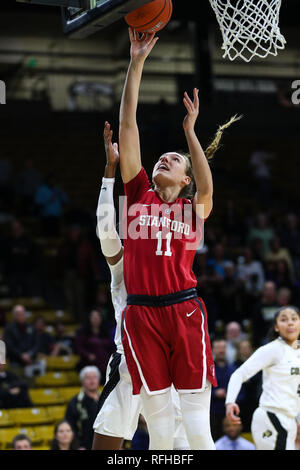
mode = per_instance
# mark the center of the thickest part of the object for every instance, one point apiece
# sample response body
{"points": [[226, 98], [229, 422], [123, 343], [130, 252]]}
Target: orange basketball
{"points": [[151, 17]]}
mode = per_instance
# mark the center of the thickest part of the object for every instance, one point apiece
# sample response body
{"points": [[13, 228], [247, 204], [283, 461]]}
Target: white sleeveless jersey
{"points": [[280, 364], [119, 299]]}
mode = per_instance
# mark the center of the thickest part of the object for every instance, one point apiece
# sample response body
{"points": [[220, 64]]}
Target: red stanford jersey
{"points": [[160, 240]]}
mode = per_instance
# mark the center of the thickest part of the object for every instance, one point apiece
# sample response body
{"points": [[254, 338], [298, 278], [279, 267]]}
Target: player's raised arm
{"points": [[129, 142], [202, 174], [106, 229], [201, 170]]}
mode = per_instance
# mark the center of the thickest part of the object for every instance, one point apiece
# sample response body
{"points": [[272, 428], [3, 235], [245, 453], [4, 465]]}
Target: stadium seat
{"points": [[47, 396], [6, 419], [56, 412], [248, 436], [62, 362], [57, 379], [31, 416], [7, 435], [45, 433], [52, 316], [69, 392]]}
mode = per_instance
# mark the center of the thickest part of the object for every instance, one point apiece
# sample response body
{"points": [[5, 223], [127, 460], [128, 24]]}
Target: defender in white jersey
{"points": [[274, 425], [119, 409]]}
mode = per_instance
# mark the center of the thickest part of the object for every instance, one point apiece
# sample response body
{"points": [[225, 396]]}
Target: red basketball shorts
{"points": [[165, 345]]}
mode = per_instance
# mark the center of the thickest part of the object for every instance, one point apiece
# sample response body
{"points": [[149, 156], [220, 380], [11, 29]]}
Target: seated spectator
{"points": [[63, 342], [28, 180], [231, 294], [233, 336], [217, 260], [290, 236], [277, 253], [78, 270], [83, 408], [64, 437], [263, 231], [20, 258], [51, 200], [45, 340], [284, 296], [20, 339], [93, 343], [21, 442], [251, 389], [283, 276], [263, 314], [251, 272], [232, 439], [13, 390], [223, 372]]}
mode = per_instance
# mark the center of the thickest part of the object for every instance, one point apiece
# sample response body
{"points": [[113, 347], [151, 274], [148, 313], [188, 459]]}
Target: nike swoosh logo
{"points": [[190, 314], [104, 189]]}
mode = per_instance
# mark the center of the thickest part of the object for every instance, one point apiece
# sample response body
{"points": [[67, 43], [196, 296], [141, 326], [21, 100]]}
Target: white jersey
{"points": [[119, 299], [280, 364]]}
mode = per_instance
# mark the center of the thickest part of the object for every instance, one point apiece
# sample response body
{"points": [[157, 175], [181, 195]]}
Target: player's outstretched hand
{"points": [[192, 108], [232, 412], [141, 44], [111, 150]]}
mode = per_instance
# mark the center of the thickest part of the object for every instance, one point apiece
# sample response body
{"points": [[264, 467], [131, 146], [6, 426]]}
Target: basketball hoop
{"points": [[249, 27]]}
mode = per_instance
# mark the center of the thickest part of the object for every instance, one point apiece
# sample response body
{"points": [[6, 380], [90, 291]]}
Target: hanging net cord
{"points": [[249, 27]]}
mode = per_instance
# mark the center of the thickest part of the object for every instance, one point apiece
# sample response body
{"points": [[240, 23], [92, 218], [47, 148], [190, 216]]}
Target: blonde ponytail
{"points": [[214, 146]]}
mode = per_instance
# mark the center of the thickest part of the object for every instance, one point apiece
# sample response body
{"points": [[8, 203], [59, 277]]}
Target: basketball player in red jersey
{"points": [[164, 325]]}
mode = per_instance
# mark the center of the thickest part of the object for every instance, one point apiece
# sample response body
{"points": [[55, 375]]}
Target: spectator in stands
{"points": [[290, 236], [64, 437], [83, 408], [284, 296], [27, 181], [278, 253], [79, 271], [283, 276], [63, 342], [233, 336], [217, 260], [263, 313], [21, 442], [13, 390], [93, 343], [251, 272], [251, 389], [50, 199], [263, 231], [231, 294], [20, 262], [45, 340], [20, 338], [223, 372], [232, 439]]}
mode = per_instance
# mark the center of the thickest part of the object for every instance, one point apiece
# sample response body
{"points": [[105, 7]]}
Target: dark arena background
{"points": [[59, 92]]}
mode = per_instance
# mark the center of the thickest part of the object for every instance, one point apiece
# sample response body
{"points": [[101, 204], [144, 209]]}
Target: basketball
{"points": [[151, 17]]}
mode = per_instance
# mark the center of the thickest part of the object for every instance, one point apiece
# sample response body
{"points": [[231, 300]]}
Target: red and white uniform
{"points": [[163, 344]]}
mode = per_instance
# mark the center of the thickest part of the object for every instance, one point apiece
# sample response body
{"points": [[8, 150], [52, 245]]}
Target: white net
{"points": [[249, 27]]}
